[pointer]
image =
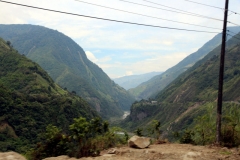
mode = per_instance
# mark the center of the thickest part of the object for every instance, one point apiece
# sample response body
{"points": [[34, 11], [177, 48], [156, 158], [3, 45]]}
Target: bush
{"points": [[84, 139]]}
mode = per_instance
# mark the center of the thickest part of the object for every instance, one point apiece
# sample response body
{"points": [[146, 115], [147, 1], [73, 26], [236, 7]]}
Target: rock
{"points": [[11, 156], [191, 156], [138, 142], [112, 151]]}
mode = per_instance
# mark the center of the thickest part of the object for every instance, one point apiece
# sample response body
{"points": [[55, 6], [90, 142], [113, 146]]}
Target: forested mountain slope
{"points": [[30, 100], [182, 100], [66, 62], [157, 83]]}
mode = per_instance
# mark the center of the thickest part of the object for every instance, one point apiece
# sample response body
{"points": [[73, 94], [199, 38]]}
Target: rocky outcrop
{"points": [[139, 142], [11, 156]]}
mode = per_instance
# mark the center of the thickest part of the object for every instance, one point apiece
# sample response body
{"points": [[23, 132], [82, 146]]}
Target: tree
{"points": [[80, 129], [154, 129], [138, 132], [204, 127], [9, 43], [96, 126]]}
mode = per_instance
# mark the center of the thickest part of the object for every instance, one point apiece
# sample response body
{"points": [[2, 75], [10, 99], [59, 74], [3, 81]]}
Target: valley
{"points": [[56, 101], [67, 64]]}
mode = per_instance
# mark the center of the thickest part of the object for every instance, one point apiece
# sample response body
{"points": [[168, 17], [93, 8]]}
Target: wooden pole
{"points": [[221, 75]]}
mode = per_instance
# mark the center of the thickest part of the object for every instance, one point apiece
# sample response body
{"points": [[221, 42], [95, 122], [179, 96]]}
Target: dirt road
{"points": [[166, 152]]}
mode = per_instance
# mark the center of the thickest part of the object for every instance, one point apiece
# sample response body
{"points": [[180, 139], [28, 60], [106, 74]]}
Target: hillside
{"points": [[30, 100], [188, 95], [67, 64], [128, 82], [157, 83]]}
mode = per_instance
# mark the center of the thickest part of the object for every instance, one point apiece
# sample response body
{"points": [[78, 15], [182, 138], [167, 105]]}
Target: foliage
{"points": [[30, 100], [138, 132], [184, 99], [187, 137], [152, 87], [84, 139], [203, 130], [155, 128], [204, 127], [67, 64]]}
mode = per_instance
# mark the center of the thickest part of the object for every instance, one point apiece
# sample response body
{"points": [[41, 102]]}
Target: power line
{"points": [[146, 15], [190, 13], [233, 36], [183, 12], [194, 13], [236, 34], [205, 4], [233, 23], [212, 6], [105, 19]]}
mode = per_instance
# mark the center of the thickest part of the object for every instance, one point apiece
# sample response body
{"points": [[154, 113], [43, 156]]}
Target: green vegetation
{"points": [[67, 64], [30, 100], [185, 98], [86, 138], [152, 87], [203, 129]]}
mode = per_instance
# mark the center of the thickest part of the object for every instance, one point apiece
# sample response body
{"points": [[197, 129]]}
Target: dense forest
{"points": [[30, 100], [67, 64]]}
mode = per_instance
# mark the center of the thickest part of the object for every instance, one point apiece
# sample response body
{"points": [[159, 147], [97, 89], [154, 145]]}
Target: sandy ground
{"points": [[166, 152]]}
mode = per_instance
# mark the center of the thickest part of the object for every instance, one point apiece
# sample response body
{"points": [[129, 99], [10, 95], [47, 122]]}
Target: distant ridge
{"points": [[158, 83], [188, 96], [132, 81], [66, 62]]}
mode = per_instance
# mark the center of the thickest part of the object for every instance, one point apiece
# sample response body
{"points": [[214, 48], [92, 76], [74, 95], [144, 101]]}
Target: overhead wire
{"points": [[233, 36], [233, 23], [191, 13], [212, 6], [147, 15], [112, 20], [233, 32], [180, 11], [105, 19], [205, 4], [216, 8]]}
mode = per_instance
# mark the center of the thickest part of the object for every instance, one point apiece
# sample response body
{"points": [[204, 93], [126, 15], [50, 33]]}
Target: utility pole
{"points": [[221, 74]]}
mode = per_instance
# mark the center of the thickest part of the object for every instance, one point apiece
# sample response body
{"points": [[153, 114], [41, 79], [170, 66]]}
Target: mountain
{"points": [[67, 64], [128, 82], [186, 97], [157, 83], [30, 100]]}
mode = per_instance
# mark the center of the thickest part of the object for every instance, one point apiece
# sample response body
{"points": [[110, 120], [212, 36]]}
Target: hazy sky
{"points": [[124, 49]]}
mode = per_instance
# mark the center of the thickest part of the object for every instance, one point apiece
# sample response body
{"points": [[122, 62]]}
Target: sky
{"points": [[125, 49]]}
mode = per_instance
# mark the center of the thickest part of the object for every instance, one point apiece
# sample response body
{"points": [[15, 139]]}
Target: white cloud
{"points": [[105, 59], [155, 49], [91, 56], [158, 41], [129, 73]]}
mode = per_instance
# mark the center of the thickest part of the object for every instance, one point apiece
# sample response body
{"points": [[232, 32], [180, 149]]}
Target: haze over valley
{"points": [[82, 77]]}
